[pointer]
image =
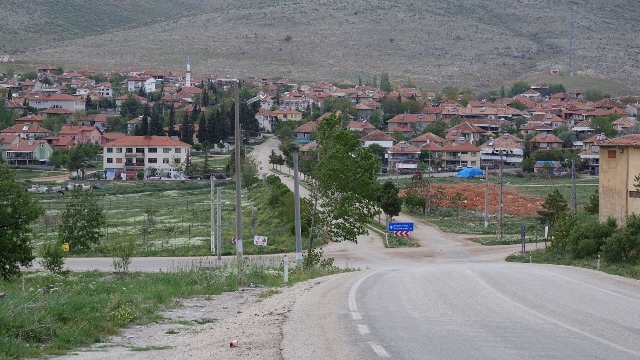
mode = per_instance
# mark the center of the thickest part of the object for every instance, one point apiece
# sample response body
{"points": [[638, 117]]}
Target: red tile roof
{"points": [[160, 141], [627, 140], [377, 135], [456, 146], [25, 145], [25, 129]]}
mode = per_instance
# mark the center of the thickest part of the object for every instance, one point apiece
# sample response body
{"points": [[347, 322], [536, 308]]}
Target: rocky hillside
{"points": [[468, 43]]}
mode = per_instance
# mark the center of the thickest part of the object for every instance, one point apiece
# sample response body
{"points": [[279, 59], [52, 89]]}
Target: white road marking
{"points": [[364, 329], [352, 292], [594, 287], [356, 316], [378, 349], [551, 320]]}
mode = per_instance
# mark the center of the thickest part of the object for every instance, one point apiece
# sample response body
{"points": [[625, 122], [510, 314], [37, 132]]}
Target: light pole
{"points": [[238, 175]]}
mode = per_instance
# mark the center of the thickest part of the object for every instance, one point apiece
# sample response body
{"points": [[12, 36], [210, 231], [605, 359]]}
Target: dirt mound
{"points": [[513, 203]]}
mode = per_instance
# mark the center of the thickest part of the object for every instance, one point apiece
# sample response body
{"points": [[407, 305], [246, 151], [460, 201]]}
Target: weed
{"points": [[150, 348]]}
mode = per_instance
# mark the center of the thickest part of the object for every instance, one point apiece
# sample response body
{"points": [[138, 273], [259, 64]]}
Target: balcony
{"points": [[133, 154]]}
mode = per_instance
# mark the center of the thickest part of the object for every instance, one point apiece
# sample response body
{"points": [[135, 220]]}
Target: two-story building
{"points": [[161, 155], [27, 152], [501, 150], [81, 134], [147, 83], [26, 131], [403, 158], [56, 101], [544, 141], [460, 153]]}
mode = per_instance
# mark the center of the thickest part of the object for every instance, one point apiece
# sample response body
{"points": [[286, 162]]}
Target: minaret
{"points": [[187, 82]]}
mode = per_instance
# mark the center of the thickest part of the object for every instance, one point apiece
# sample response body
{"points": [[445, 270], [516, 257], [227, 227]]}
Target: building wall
{"points": [[617, 193]]}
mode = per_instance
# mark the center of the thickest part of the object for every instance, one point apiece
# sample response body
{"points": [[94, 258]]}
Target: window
{"points": [[109, 160], [153, 161], [473, 163], [178, 150], [109, 150], [153, 150], [474, 154], [166, 150], [129, 150], [119, 150], [165, 160], [611, 154]]}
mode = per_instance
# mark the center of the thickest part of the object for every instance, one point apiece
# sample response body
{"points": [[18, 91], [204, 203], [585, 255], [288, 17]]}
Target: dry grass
{"points": [[448, 42]]}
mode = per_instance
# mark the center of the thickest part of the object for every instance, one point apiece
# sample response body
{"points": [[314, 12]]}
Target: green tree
{"points": [[116, 124], [624, 245], [518, 88], [455, 120], [594, 95], [415, 203], [129, 107], [450, 93], [377, 150], [172, 122], [385, 83], [553, 205], [59, 157], [593, 206], [53, 123], [186, 129], [30, 75], [348, 198], [389, 201], [603, 124], [155, 124], [517, 105], [436, 127], [503, 93], [18, 210], [81, 222]]}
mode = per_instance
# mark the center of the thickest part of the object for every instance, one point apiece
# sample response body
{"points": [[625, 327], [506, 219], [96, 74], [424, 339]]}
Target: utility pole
{"points": [[296, 197], [500, 198], [219, 223], [238, 142], [574, 198], [213, 223], [486, 196]]}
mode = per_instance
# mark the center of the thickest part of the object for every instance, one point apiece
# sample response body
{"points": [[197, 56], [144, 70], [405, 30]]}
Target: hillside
{"points": [[468, 43]]}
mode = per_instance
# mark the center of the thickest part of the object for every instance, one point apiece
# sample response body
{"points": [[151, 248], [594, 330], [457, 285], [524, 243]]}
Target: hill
{"points": [[467, 43]]}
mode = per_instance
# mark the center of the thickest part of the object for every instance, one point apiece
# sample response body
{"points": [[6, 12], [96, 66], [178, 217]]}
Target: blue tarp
{"points": [[469, 173]]}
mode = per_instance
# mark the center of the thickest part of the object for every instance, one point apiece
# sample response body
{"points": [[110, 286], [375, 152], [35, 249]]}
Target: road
{"points": [[450, 298]]}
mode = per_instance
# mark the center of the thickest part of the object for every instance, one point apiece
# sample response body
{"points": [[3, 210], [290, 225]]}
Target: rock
{"points": [[2, 295]]}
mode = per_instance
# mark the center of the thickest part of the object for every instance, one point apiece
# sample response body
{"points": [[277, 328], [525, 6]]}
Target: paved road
{"points": [[455, 299]]}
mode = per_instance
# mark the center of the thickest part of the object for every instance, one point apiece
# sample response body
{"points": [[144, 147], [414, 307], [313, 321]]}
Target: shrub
{"points": [[52, 256], [123, 250]]}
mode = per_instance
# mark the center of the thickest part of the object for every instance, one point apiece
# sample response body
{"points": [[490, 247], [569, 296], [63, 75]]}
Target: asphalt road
{"points": [[448, 299]]}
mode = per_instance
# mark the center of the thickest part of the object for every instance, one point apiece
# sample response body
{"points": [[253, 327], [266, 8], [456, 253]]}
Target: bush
{"points": [[52, 256], [624, 245], [123, 250]]}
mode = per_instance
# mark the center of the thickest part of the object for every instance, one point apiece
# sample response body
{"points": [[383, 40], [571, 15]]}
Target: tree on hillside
{"points": [[450, 93], [517, 105], [344, 201], [553, 205], [518, 88], [155, 125], [186, 129], [202, 129], [142, 128], [172, 122], [603, 124], [436, 127], [18, 210], [81, 222], [385, 83]]}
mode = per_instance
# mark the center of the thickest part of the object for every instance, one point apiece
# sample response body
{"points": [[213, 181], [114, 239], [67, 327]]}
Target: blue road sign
{"points": [[400, 227]]}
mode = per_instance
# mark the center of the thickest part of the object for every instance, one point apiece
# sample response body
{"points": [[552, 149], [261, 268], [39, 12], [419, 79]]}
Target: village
{"points": [[529, 127]]}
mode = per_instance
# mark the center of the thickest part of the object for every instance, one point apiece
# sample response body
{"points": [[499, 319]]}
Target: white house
{"points": [[135, 83], [56, 101], [161, 155]]}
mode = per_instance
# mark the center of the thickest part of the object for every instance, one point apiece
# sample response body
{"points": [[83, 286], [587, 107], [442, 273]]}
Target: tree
{"points": [[519, 87], [503, 93], [172, 122], [81, 222], [436, 127], [389, 201], [155, 125], [415, 203], [186, 129], [348, 198], [603, 124], [593, 206], [116, 124], [385, 83], [517, 105], [53, 123], [377, 150], [18, 210], [594, 95], [624, 245], [553, 205], [129, 107], [455, 120], [450, 93]]}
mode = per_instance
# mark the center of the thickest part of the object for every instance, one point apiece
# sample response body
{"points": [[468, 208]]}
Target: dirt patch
{"points": [[513, 203]]}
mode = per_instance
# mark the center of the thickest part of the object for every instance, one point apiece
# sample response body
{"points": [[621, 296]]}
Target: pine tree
{"points": [[143, 128], [155, 126], [205, 97], [202, 129], [211, 137], [186, 129], [172, 122]]}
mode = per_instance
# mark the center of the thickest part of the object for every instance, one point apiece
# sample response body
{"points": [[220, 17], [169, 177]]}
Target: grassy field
{"points": [[409, 39], [45, 314], [173, 218]]}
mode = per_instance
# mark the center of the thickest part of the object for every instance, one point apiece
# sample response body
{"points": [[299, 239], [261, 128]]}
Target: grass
{"points": [[150, 348], [270, 292], [85, 308], [547, 257]]}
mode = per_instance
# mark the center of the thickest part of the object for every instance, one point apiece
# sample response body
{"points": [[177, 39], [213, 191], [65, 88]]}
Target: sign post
{"points": [[400, 229]]}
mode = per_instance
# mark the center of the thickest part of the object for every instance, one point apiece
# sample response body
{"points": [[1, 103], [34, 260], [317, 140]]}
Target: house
{"points": [[544, 141], [57, 142], [549, 167], [266, 119], [288, 115], [81, 134], [155, 155], [26, 131], [409, 124], [619, 167], [426, 139], [45, 71], [583, 127], [403, 158], [377, 137], [304, 131], [8, 140], [97, 120], [147, 83], [460, 153], [468, 131], [622, 124], [16, 106], [27, 152], [104, 89], [67, 115], [56, 101], [501, 150], [361, 126], [30, 119], [590, 153]]}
